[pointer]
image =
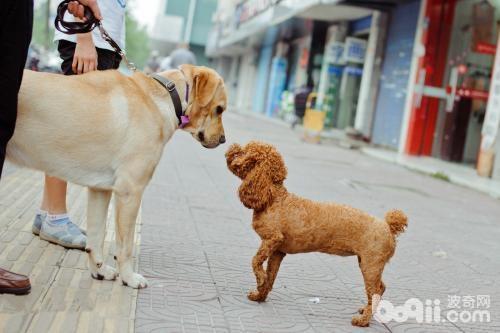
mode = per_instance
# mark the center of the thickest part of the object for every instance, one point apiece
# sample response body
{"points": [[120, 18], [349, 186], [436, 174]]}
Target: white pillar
{"points": [[189, 22], [496, 163], [371, 75], [489, 153]]}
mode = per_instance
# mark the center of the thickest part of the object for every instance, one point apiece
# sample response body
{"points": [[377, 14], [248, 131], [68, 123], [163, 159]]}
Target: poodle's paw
{"points": [[360, 320], [361, 310], [256, 296], [261, 279], [136, 281], [104, 272]]}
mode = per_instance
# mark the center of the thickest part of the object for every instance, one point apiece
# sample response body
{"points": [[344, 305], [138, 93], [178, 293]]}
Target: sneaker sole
{"points": [[35, 230], [58, 242], [16, 291]]}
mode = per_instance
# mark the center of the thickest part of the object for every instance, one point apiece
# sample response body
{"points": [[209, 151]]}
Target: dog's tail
{"points": [[397, 221]]}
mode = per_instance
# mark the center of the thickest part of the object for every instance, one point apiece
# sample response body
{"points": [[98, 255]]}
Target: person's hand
{"points": [[76, 8], [85, 57]]}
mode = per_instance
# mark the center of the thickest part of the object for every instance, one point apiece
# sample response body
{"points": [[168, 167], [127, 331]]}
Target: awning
{"points": [[326, 10]]}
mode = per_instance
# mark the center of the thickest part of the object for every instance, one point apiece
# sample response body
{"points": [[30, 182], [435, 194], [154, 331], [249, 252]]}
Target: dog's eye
{"points": [[219, 109]]}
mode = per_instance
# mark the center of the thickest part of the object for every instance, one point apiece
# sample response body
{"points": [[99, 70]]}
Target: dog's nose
{"points": [[201, 136], [222, 139]]}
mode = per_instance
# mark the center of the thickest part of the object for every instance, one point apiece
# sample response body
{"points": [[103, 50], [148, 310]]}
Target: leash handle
{"points": [[90, 23], [72, 28]]}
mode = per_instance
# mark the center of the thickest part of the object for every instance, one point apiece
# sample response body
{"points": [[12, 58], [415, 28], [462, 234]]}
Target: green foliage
{"points": [[42, 37], [137, 42], [137, 39], [441, 175]]}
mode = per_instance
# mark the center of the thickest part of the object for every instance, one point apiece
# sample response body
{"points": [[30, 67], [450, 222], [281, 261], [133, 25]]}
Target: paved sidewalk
{"points": [[197, 242], [196, 246], [64, 298]]}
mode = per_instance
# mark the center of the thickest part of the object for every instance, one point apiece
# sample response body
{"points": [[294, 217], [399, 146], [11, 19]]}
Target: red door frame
{"points": [[436, 37]]}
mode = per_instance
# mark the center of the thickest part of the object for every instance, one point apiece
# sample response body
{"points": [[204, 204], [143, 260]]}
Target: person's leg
{"points": [[53, 208], [53, 201], [54, 191], [16, 20], [52, 222], [54, 195]]}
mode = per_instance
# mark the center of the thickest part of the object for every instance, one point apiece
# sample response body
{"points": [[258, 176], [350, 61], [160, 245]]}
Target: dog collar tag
{"points": [[184, 121]]}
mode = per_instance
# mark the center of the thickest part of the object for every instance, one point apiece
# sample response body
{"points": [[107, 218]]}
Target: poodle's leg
{"points": [[382, 287], [372, 274], [273, 265], [267, 248], [382, 290]]}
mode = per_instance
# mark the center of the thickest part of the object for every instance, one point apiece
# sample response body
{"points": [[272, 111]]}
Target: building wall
{"points": [[263, 67], [202, 21], [395, 74], [173, 25]]}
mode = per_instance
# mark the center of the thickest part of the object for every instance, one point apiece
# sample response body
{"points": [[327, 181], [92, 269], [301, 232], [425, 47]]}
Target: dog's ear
{"points": [[256, 191], [277, 168], [204, 81], [231, 155], [232, 152]]}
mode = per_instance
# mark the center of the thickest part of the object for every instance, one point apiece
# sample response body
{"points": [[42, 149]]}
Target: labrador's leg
{"points": [[97, 211], [127, 207]]}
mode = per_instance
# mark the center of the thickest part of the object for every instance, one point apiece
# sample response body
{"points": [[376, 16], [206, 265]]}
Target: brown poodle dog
{"points": [[287, 223]]}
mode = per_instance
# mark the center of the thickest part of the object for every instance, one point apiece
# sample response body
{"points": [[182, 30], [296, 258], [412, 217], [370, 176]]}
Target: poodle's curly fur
{"points": [[287, 223]]}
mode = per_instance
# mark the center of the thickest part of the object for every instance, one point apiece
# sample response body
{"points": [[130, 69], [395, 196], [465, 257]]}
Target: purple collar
{"points": [[184, 118]]}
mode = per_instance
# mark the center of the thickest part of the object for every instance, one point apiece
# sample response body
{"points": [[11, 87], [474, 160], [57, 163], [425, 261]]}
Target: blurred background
{"points": [[416, 77]]}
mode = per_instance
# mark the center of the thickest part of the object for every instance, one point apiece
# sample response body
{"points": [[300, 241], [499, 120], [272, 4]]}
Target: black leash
{"points": [[90, 23]]}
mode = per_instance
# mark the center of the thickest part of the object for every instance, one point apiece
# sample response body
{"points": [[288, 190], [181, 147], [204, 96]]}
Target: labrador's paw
{"points": [[134, 280], [104, 272]]}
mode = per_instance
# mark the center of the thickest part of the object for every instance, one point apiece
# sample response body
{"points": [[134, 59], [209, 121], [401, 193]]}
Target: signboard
{"points": [[335, 53], [485, 48], [251, 8], [492, 118], [473, 94], [355, 50]]}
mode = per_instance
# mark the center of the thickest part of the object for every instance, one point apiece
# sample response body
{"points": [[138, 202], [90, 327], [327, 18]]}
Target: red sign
{"points": [[474, 94], [486, 48]]}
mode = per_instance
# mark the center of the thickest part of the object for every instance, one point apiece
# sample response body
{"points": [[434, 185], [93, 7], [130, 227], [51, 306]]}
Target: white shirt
{"points": [[113, 12]]}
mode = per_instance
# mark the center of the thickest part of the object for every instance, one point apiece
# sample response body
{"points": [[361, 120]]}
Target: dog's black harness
{"points": [[183, 120]]}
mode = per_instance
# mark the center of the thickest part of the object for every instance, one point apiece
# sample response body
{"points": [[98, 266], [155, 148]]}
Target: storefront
{"points": [[328, 57], [342, 70], [395, 73], [452, 84]]}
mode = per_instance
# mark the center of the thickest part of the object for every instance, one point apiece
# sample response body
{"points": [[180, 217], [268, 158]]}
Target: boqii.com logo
{"points": [[464, 309]]}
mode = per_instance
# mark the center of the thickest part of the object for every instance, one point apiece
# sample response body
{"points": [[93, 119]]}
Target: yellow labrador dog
{"points": [[106, 131]]}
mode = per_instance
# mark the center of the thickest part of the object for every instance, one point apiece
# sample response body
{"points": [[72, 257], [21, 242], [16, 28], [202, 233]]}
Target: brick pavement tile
{"points": [[14, 322], [63, 297], [179, 305], [197, 235]]}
